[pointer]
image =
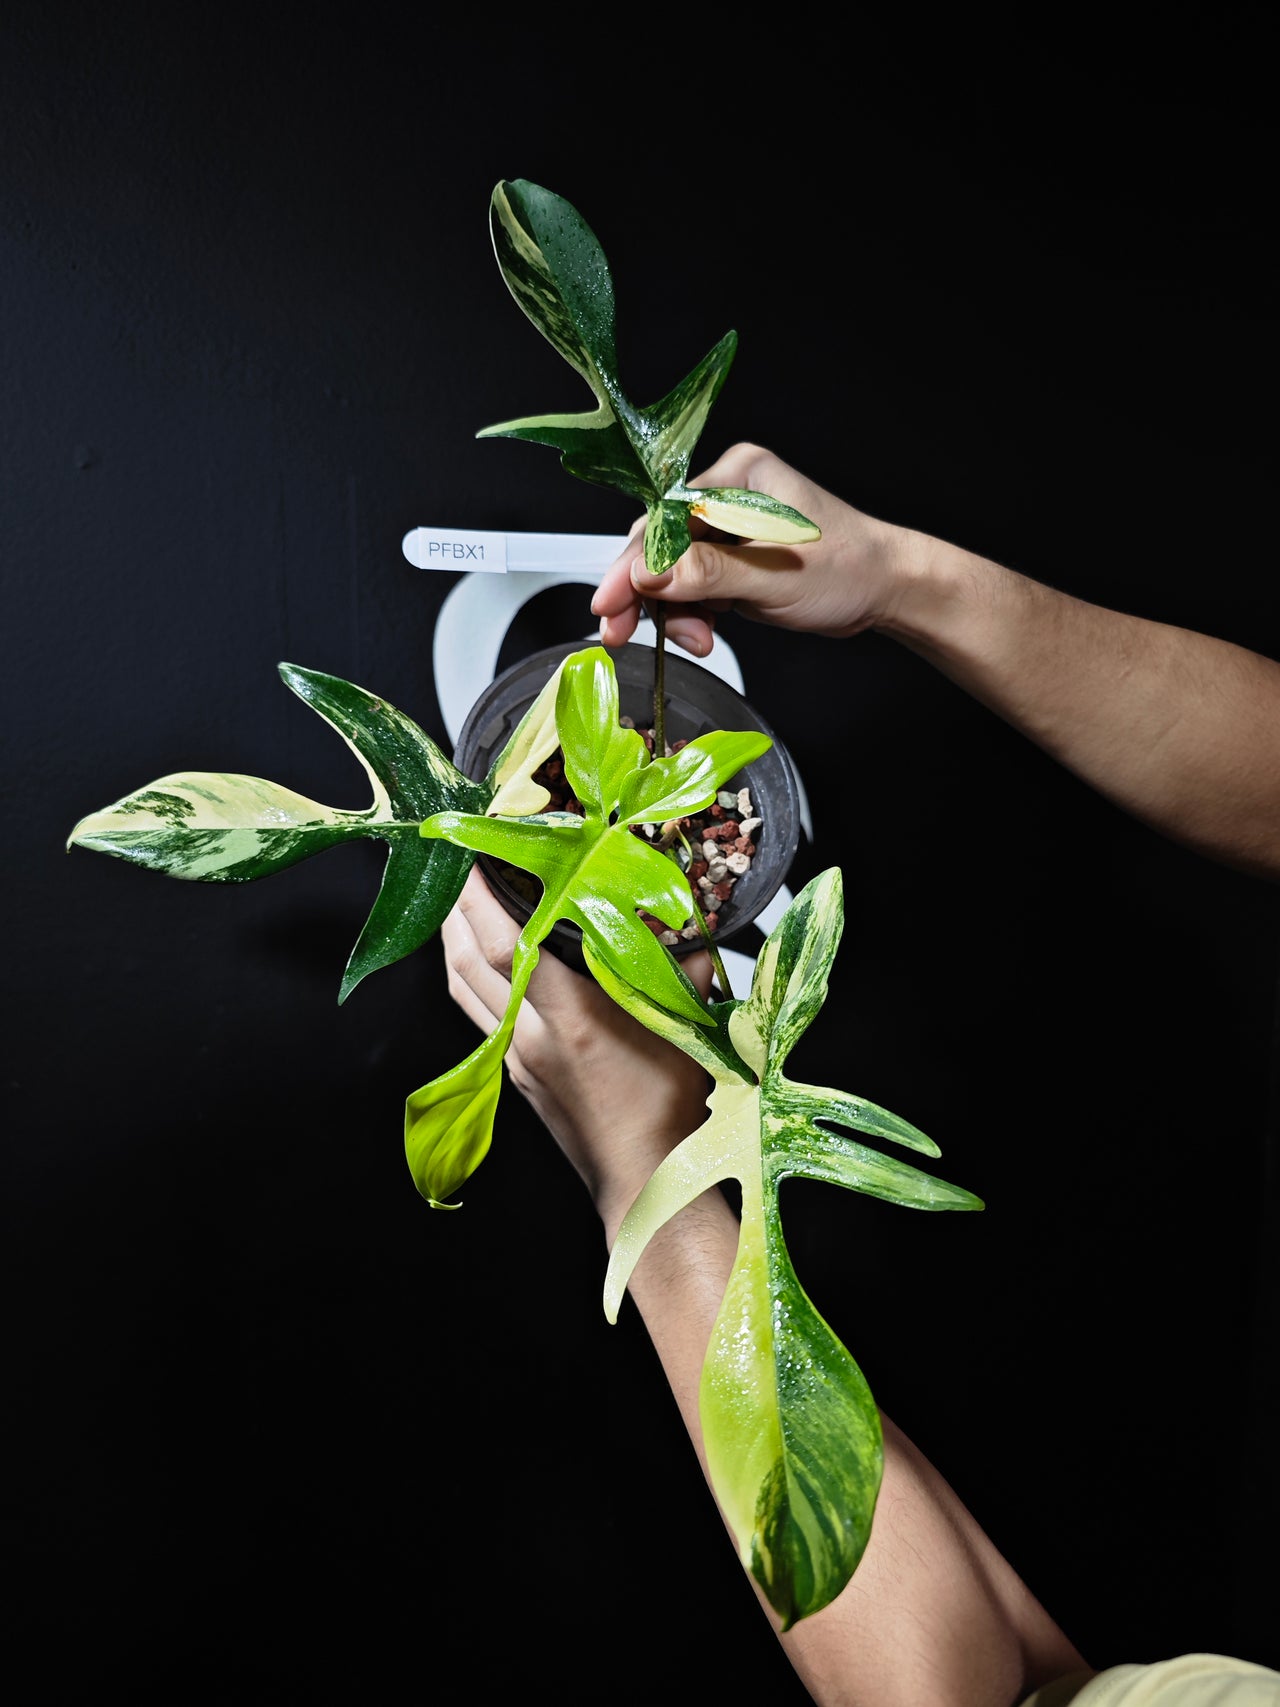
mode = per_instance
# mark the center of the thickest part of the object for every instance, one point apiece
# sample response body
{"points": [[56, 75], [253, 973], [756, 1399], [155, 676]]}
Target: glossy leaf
{"points": [[448, 1124], [595, 870], [791, 1429], [751, 515], [556, 270], [597, 874], [216, 827]]}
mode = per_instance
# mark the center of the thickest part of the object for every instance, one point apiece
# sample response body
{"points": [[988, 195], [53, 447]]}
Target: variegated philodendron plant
{"points": [[792, 1431], [557, 272]]}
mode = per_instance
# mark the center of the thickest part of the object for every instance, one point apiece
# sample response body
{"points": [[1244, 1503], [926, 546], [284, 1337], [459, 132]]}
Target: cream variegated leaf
{"points": [[514, 792], [752, 515], [792, 1432], [224, 827], [216, 827]]}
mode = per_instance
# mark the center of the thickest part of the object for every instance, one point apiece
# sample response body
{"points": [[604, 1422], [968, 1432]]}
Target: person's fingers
{"points": [[472, 983], [495, 930], [618, 602], [617, 630], [754, 469], [692, 631], [478, 937], [615, 596], [713, 575], [614, 592]]}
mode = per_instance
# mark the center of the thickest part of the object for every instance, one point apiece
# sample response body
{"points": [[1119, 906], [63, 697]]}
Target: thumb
{"points": [[713, 572]]}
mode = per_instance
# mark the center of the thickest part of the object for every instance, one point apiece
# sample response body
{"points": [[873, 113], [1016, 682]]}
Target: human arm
{"points": [[1178, 728], [933, 1612]]}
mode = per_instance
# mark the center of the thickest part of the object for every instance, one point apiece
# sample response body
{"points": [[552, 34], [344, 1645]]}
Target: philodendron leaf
{"points": [[411, 778], [510, 780], [448, 1124], [792, 1432], [596, 873], [217, 827], [556, 270]]}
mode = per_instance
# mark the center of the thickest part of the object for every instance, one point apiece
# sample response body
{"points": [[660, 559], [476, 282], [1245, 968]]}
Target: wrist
{"points": [[942, 592], [615, 1190], [614, 1194]]}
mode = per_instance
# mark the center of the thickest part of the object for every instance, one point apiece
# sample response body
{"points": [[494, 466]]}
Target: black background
{"points": [[281, 1432]]}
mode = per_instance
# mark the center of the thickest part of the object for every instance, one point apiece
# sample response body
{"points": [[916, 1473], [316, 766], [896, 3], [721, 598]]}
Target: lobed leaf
{"points": [[791, 1430], [556, 270], [217, 827], [595, 873]]}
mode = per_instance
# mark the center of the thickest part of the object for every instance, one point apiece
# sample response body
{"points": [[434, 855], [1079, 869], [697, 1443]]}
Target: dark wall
{"points": [[283, 1432]]}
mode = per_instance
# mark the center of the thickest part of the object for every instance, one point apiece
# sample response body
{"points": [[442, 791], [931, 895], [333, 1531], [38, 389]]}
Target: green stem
{"points": [[659, 682], [659, 752], [672, 833], [709, 943]]}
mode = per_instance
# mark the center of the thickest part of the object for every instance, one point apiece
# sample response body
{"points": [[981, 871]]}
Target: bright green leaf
{"points": [[448, 1123], [684, 782], [595, 871]]}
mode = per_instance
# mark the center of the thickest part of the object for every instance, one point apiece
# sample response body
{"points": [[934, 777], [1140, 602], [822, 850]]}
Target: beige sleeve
{"points": [[1190, 1680]]}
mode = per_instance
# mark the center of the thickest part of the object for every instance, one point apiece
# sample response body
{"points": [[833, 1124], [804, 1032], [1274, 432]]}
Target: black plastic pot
{"points": [[696, 701]]}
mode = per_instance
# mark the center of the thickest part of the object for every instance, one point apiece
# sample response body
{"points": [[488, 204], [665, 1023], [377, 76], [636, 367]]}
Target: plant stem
{"points": [[709, 942], [659, 682], [659, 752], [671, 834]]}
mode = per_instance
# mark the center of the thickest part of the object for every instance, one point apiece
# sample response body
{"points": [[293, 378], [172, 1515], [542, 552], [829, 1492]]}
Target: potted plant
{"points": [[756, 820], [792, 1431]]}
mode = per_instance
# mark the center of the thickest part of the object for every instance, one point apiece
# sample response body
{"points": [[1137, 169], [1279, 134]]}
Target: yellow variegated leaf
{"points": [[516, 794], [448, 1124], [791, 1430], [214, 826]]}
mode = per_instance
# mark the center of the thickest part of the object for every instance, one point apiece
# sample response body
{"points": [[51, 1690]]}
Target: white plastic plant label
{"points": [[578, 557]]}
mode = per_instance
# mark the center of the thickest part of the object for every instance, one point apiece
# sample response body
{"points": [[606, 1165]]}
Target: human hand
{"points": [[847, 581], [615, 1097]]}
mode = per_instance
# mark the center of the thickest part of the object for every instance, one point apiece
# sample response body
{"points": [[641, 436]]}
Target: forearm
{"points": [[933, 1612], [1178, 728]]}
